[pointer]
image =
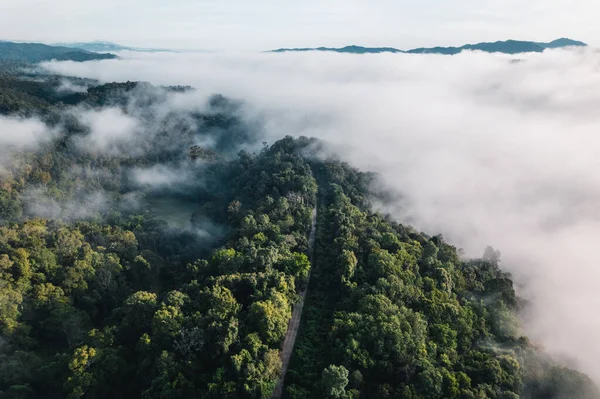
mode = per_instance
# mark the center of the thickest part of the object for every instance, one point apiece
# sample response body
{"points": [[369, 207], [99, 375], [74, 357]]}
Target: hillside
{"points": [[348, 49], [36, 52], [506, 47], [563, 42], [165, 261], [102, 47]]}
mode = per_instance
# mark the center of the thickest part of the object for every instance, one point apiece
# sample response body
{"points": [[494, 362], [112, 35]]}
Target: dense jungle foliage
{"points": [[104, 293]]}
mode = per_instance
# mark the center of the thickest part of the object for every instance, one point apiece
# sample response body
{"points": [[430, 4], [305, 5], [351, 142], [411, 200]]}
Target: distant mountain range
{"points": [[507, 47], [99, 47], [36, 52]]}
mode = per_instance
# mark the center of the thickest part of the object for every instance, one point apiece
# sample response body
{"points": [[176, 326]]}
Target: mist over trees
{"points": [[105, 292]]}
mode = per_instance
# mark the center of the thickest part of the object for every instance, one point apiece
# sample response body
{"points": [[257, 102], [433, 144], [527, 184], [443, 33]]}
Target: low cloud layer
{"points": [[18, 134], [39, 203], [111, 131], [21, 134], [480, 148]]}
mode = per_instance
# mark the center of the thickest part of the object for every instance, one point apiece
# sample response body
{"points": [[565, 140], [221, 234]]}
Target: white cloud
{"points": [[39, 203], [69, 87], [163, 176], [111, 132], [22, 133], [19, 134]]}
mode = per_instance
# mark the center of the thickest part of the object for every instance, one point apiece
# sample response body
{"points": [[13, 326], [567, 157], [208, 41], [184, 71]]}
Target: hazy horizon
{"points": [[183, 50], [266, 24]]}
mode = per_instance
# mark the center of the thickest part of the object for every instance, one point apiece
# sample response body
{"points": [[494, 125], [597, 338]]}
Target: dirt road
{"points": [[294, 325]]}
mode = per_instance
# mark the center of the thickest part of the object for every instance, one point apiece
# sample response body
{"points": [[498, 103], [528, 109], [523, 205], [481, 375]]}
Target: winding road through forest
{"points": [[294, 324]]}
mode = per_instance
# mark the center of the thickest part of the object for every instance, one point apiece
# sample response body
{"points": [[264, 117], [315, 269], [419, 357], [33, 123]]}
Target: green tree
{"points": [[334, 380]]}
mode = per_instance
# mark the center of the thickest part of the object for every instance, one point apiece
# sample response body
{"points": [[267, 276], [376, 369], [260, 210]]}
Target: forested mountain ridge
{"points": [[122, 301], [37, 52], [103, 47], [392, 313], [506, 47]]}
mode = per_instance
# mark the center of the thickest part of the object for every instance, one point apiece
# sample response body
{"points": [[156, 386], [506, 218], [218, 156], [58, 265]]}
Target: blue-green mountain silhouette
{"points": [[37, 52], [506, 47]]}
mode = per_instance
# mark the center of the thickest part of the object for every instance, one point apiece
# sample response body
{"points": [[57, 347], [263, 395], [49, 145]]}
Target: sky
{"points": [[268, 24]]}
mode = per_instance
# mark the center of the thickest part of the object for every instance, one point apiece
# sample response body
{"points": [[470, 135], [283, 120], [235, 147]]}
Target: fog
{"points": [[82, 206], [111, 131], [162, 176], [25, 135], [480, 148]]}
